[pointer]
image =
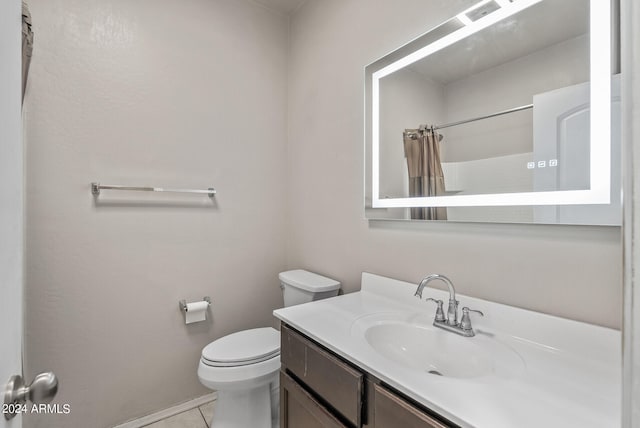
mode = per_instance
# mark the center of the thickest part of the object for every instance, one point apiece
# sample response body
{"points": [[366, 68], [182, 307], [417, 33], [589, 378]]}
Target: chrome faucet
{"points": [[452, 311], [450, 322]]}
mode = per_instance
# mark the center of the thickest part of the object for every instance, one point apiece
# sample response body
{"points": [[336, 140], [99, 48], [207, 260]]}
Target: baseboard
{"points": [[166, 413]]}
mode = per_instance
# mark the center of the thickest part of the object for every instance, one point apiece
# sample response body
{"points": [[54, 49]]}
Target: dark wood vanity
{"points": [[318, 389]]}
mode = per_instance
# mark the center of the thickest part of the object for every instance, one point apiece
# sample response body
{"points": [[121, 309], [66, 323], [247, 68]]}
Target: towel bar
{"points": [[97, 187]]}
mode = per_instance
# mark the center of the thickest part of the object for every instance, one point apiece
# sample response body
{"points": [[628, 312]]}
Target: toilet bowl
{"points": [[243, 367]]}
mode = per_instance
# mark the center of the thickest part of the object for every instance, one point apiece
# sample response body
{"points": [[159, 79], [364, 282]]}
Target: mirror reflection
{"points": [[504, 110]]}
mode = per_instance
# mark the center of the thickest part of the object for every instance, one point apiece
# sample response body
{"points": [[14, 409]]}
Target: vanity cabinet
{"points": [[298, 408], [330, 381], [391, 411], [319, 389]]}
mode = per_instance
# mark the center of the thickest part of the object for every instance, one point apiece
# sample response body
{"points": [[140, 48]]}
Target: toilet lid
{"points": [[242, 348]]}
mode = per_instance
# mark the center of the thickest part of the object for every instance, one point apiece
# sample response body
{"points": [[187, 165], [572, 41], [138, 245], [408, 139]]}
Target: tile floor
{"points": [[199, 417]]}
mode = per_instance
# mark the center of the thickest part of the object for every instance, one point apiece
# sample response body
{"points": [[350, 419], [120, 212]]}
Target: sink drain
{"points": [[435, 372]]}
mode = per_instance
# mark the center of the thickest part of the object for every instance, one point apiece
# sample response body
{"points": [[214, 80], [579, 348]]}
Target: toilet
{"points": [[243, 366]]}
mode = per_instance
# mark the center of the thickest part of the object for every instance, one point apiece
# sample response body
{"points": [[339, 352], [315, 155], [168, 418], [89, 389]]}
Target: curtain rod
{"points": [[500, 113]]}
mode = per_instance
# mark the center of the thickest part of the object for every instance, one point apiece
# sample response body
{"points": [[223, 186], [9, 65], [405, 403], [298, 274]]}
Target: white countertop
{"points": [[568, 373]]}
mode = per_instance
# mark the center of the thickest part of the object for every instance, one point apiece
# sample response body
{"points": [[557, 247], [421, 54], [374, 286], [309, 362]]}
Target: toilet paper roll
{"points": [[196, 311]]}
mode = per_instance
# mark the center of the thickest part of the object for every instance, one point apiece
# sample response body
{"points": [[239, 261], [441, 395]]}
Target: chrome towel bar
{"points": [[97, 187]]}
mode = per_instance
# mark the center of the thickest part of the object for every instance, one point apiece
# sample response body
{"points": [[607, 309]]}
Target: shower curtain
{"points": [[27, 45], [422, 150]]}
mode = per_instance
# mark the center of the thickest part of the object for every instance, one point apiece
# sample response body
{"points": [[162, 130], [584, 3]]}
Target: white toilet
{"points": [[243, 367]]}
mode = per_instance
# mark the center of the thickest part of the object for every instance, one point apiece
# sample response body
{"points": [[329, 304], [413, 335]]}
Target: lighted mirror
{"points": [[508, 112]]}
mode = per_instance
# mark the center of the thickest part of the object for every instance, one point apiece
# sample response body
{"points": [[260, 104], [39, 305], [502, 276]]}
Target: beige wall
{"points": [[185, 93], [193, 94], [572, 271]]}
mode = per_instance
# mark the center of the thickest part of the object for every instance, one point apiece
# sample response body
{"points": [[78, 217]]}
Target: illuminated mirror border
{"points": [[600, 108]]}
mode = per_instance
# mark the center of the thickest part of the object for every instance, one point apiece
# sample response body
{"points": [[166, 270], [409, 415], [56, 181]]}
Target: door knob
{"points": [[41, 391]]}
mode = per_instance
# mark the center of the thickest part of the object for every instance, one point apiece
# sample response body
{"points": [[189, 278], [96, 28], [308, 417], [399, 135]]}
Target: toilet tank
{"points": [[301, 286]]}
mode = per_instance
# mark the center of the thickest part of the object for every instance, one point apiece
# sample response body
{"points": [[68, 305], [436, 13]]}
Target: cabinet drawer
{"points": [[339, 384], [299, 409], [392, 411]]}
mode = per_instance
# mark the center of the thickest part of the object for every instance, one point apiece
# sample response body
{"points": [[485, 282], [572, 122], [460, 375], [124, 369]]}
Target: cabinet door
{"points": [[339, 384], [392, 411], [298, 409]]}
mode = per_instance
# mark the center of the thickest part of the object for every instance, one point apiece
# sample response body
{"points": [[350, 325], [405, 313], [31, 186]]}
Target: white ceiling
{"points": [[538, 27], [282, 6]]}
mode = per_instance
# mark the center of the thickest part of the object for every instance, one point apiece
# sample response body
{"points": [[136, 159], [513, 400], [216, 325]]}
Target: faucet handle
{"points": [[465, 322], [439, 312]]}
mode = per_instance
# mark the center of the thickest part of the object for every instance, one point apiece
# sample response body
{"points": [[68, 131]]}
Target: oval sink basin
{"points": [[430, 351], [437, 352]]}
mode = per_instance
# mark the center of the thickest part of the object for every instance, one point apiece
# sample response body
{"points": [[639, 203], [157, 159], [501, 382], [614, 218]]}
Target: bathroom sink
{"points": [[429, 350], [420, 346]]}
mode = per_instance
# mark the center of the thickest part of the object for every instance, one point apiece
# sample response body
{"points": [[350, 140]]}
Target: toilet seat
{"points": [[246, 359], [243, 348]]}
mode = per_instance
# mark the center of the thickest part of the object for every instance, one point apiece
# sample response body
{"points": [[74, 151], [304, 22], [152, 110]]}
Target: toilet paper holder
{"points": [[183, 303]]}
